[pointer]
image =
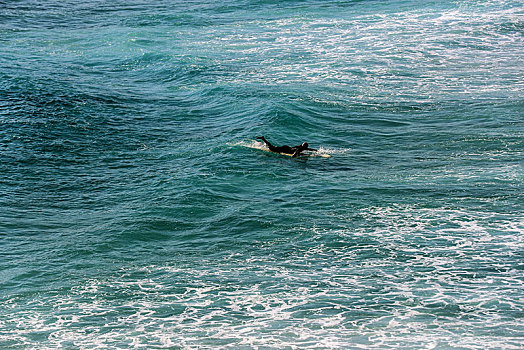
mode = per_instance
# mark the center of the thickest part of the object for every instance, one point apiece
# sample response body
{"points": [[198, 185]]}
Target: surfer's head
{"points": [[304, 145]]}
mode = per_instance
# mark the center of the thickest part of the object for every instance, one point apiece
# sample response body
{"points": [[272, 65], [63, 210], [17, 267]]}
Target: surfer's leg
{"points": [[268, 144]]}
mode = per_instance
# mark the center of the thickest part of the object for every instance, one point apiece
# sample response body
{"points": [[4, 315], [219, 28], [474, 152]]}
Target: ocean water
{"points": [[136, 211]]}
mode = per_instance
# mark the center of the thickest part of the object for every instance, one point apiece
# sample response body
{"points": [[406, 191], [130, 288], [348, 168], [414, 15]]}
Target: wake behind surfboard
{"points": [[262, 147]]}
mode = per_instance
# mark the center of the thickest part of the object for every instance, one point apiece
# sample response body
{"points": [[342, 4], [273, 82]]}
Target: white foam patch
{"points": [[251, 144], [324, 150], [373, 53], [407, 277]]}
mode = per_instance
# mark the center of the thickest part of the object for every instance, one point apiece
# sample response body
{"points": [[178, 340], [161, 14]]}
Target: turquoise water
{"points": [[135, 214]]}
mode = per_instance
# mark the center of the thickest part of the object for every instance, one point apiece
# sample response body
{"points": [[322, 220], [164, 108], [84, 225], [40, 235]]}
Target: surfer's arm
{"points": [[297, 153], [312, 149]]}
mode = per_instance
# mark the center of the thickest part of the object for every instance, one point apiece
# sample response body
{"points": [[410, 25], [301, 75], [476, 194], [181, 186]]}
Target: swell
{"points": [[131, 217]]}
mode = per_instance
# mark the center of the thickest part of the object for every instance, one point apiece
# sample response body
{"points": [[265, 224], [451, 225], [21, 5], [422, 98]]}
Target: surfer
{"points": [[294, 151]]}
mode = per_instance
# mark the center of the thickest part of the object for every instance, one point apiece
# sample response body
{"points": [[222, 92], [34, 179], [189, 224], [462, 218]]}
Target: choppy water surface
{"points": [[132, 214]]}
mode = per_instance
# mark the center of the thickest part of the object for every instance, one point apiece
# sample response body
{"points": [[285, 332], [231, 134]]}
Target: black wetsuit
{"points": [[282, 149]]}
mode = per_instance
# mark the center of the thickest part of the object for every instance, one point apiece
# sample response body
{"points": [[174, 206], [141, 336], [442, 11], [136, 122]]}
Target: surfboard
{"points": [[260, 146], [308, 154]]}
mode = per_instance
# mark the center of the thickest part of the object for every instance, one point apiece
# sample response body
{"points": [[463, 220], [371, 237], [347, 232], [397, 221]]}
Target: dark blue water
{"points": [[136, 210]]}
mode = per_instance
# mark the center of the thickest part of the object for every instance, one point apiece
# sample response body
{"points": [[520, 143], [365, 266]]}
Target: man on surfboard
{"points": [[293, 151]]}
